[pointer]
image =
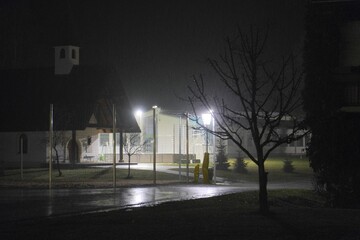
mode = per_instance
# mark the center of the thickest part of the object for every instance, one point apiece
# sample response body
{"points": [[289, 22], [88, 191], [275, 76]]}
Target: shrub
{"points": [[288, 166], [221, 157], [240, 165]]}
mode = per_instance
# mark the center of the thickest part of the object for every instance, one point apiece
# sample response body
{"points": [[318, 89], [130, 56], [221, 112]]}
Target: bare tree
{"points": [[60, 139], [257, 100], [132, 146]]}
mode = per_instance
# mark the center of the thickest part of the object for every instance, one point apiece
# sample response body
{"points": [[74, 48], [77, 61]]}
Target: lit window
{"points": [[104, 139]]}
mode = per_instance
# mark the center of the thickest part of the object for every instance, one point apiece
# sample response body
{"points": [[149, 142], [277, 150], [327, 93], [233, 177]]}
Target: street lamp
{"points": [[138, 113], [214, 154], [114, 146], [154, 142], [206, 118]]}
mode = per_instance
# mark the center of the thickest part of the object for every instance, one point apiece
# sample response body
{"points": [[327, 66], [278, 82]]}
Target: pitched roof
{"points": [[88, 92]]}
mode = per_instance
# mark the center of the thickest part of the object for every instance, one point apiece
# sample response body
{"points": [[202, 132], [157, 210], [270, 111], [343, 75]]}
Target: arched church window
{"points": [[62, 53], [23, 143], [73, 53]]}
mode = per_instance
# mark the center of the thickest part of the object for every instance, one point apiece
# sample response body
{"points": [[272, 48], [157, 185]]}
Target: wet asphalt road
{"points": [[24, 204]]}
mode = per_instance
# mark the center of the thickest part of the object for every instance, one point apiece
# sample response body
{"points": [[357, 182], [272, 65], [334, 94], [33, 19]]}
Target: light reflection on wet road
{"points": [[20, 204]]}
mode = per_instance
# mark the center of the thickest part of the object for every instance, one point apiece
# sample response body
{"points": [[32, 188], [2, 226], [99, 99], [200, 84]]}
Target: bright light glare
{"points": [[154, 106], [138, 113], [206, 117]]}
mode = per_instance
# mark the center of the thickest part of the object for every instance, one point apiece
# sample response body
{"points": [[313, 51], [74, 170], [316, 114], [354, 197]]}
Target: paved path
{"points": [[167, 169]]}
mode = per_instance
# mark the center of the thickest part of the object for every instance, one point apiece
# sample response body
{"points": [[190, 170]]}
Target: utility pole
{"points": [[154, 146], [180, 157], [51, 128], [187, 147], [114, 146]]}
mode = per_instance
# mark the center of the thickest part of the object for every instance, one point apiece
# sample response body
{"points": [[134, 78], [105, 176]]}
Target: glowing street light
{"points": [[207, 120], [138, 113], [206, 117]]}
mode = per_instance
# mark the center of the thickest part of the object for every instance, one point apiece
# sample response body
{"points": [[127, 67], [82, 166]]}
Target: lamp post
{"points": [[214, 153], [154, 142], [51, 133], [187, 147], [207, 120], [22, 156], [114, 146], [206, 117], [180, 130]]}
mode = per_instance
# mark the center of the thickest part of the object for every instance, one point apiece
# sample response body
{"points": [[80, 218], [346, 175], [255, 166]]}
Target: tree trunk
{"points": [[74, 147], [129, 166], [263, 198], [121, 144], [57, 162]]}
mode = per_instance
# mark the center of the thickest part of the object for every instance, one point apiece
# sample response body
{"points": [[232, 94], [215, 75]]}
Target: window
{"points": [[23, 143], [104, 139], [62, 53], [117, 139], [73, 54]]}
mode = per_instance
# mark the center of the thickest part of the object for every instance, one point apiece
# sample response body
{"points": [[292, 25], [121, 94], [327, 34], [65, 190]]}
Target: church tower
{"points": [[67, 39], [65, 58]]}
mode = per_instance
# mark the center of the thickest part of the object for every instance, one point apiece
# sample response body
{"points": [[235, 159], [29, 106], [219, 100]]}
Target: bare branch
{"points": [[261, 98]]}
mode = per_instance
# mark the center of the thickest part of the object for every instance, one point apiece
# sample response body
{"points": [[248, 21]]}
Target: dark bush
{"points": [[288, 166], [221, 157], [211, 174], [240, 165]]}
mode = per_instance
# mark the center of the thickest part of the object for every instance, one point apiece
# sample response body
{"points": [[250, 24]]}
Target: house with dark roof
{"points": [[83, 97]]}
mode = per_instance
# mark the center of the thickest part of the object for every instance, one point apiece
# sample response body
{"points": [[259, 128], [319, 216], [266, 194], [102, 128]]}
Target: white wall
{"points": [[9, 149], [171, 134]]}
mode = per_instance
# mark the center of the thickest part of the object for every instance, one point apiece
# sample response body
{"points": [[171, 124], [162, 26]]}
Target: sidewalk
{"points": [[170, 170]]}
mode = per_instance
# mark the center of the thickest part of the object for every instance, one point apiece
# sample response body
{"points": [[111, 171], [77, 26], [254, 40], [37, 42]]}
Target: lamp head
{"points": [[206, 118]]}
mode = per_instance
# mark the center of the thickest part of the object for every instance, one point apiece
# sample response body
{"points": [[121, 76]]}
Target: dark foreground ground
{"points": [[296, 214]]}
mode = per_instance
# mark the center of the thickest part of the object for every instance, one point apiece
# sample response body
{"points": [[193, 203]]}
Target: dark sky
{"points": [[156, 45]]}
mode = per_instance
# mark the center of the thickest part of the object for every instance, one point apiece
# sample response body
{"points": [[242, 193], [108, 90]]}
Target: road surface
{"points": [[24, 204]]}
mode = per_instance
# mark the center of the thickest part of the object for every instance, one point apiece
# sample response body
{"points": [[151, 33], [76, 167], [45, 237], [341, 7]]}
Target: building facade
{"points": [[332, 99], [171, 141], [83, 99]]}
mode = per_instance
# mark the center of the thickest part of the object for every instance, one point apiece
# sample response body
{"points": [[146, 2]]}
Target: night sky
{"points": [[156, 45]]}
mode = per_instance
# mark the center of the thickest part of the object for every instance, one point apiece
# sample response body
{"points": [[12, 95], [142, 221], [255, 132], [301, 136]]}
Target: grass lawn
{"points": [[295, 214], [274, 166], [81, 177], [91, 176]]}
